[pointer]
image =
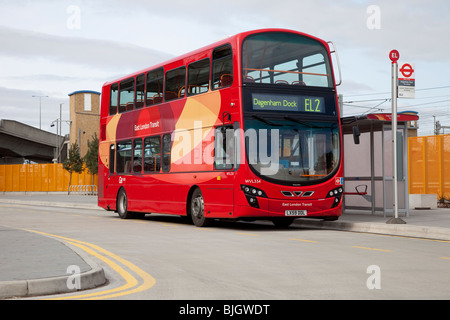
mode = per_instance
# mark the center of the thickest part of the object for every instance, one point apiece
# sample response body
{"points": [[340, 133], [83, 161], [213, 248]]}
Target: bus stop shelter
{"points": [[368, 163]]}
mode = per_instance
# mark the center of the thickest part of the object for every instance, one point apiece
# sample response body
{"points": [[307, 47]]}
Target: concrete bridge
{"points": [[21, 143]]}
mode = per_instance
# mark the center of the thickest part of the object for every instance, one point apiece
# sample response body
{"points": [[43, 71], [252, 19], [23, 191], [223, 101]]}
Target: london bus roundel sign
{"points": [[406, 70], [394, 55]]}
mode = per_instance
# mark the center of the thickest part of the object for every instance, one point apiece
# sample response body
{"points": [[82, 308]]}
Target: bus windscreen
{"points": [[285, 59]]}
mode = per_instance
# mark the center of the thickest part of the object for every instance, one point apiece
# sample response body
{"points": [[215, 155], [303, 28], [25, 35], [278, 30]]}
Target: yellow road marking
{"points": [[132, 282], [249, 234], [445, 258], [312, 241], [149, 281], [168, 224], [372, 249]]}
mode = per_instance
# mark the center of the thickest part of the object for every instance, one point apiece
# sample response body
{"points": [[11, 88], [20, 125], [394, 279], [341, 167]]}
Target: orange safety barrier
{"points": [[429, 165], [40, 178]]}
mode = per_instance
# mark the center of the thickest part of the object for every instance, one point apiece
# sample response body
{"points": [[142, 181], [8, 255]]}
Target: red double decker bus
{"points": [[245, 128]]}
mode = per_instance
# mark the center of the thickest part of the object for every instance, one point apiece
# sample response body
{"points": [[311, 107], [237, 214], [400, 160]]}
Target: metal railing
{"points": [[90, 190]]}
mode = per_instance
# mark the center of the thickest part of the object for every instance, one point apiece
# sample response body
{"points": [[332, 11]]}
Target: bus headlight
{"points": [[252, 194], [336, 194]]}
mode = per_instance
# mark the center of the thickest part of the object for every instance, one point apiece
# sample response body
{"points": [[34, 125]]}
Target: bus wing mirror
{"points": [[226, 116], [337, 61]]}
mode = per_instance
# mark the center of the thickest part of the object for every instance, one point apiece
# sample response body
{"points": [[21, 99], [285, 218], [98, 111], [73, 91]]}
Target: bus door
{"points": [[220, 198]]}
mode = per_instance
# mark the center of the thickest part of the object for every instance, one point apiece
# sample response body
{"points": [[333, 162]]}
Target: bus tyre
{"points": [[122, 205], [282, 222], [197, 209]]}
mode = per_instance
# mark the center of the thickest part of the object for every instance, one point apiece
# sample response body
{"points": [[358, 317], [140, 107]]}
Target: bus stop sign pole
{"points": [[394, 56]]}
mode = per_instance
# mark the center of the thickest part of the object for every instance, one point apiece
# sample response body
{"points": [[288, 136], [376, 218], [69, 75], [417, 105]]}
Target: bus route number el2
{"points": [[312, 105]]}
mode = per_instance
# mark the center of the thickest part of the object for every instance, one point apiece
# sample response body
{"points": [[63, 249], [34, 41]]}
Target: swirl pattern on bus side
{"points": [[191, 122]]}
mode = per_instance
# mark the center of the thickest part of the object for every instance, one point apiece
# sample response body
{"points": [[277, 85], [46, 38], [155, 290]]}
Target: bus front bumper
{"points": [[266, 208]]}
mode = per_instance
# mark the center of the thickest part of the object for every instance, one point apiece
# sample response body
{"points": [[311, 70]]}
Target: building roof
{"points": [[374, 121], [84, 91]]}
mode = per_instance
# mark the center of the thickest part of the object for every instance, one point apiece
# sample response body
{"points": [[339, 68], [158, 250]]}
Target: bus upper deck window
{"points": [[114, 94], [175, 84], [198, 77], [283, 58], [222, 67], [126, 95], [140, 87], [154, 90]]}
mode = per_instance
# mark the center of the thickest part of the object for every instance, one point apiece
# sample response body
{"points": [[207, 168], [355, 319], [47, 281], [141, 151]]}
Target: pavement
{"points": [[32, 264]]}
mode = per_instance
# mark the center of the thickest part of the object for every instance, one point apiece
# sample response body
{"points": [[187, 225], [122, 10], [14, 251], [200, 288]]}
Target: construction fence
{"points": [[429, 165], [44, 178]]}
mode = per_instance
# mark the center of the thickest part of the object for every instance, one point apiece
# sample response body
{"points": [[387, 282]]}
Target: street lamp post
{"points": [[57, 138], [40, 109], [58, 122]]}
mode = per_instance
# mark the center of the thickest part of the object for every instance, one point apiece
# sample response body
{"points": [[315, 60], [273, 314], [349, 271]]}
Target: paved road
{"points": [[163, 257]]}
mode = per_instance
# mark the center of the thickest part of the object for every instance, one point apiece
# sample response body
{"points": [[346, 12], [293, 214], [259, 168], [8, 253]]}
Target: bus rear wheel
{"points": [[122, 205], [197, 209]]}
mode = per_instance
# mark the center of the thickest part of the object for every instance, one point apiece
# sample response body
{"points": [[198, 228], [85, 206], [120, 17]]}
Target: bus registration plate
{"points": [[295, 213]]}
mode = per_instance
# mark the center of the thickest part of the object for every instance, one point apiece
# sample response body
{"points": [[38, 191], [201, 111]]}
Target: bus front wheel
{"points": [[197, 209], [282, 222]]}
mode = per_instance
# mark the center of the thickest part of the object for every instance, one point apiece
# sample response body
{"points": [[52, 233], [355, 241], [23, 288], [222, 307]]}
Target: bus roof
{"points": [[230, 39]]}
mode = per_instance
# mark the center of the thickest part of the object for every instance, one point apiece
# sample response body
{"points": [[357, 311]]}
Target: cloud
{"points": [[19, 105], [36, 63], [413, 27], [410, 24], [38, 53], [92, 53]]}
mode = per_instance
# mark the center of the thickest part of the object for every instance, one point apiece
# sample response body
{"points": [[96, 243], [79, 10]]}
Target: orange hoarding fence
{"points": [[40, 178], [429, 165]]}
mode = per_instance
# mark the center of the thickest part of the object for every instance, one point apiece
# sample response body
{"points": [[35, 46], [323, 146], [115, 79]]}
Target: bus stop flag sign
{"points": [[406, 80], [394, 55]]}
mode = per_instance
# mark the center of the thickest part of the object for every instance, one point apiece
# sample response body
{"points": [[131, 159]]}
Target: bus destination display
{"points": [[277, 102]]}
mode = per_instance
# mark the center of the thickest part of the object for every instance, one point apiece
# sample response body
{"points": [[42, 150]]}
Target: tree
{"points": [[91, 157], [73, 163]]}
